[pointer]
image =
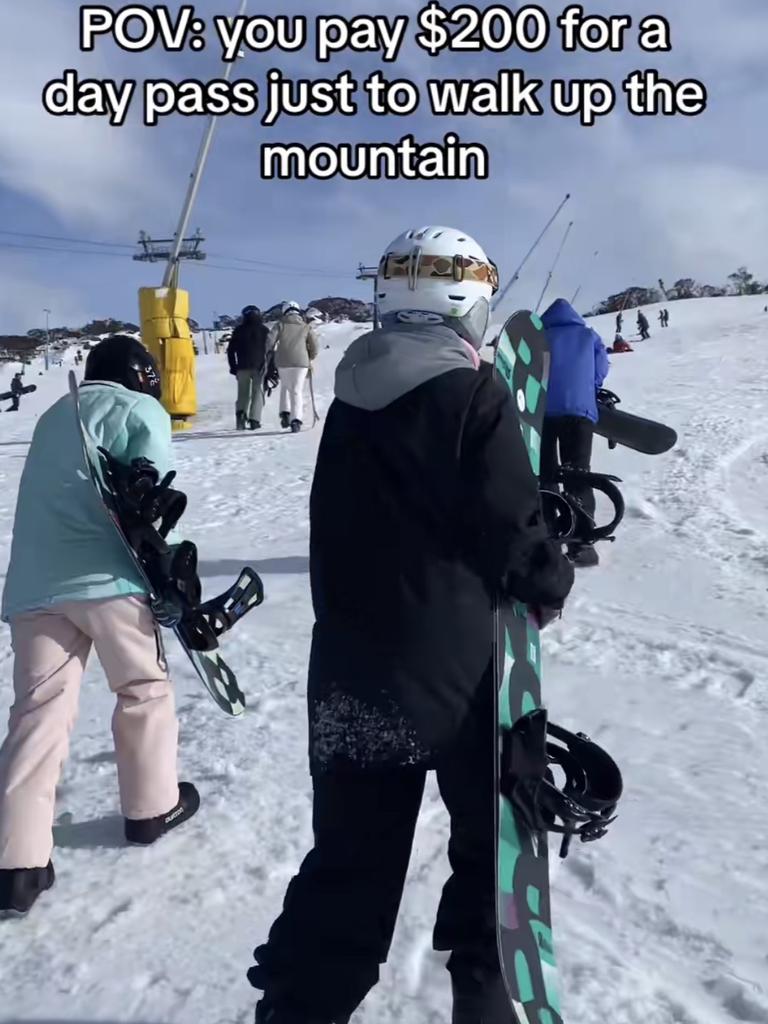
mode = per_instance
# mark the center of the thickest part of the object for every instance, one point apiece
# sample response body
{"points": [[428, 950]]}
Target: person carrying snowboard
{"points": [[71, 586], [578, 367], [295, 345], [423, 508], [247, 353], [643, 326], [17, 390]]}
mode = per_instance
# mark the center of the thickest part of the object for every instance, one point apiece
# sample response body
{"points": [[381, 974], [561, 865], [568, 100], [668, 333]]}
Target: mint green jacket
{"points": [[64, 547]]}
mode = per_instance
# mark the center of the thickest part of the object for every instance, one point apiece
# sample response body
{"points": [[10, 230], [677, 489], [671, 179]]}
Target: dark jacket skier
{"points": [[17, 389], [423, 507], [643, 326], [247, 354], [578, 369]]}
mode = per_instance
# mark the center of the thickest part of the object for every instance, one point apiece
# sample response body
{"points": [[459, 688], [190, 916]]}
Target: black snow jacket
{"points": [[423, 506], [247, 349], [17, 386]]}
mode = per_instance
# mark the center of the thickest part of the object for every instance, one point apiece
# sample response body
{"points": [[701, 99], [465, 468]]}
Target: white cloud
{"points": [[23, 299], [80, 168], [711, 216]]}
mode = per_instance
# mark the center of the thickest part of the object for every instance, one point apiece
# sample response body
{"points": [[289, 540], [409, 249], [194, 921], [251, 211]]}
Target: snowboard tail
{"points": [[630, 431], [523, 912]]}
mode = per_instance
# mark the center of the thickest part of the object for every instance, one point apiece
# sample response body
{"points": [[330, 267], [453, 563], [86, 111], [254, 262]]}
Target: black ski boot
{"points": [[266, 1014], [285, 420], [20, 887], [476, 1002], [583, 556], [295, 426], [146, 831], [240, 421], [254, 425]]}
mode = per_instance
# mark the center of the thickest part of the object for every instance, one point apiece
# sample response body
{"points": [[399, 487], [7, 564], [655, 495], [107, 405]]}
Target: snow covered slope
{"points": [[662, 657]]}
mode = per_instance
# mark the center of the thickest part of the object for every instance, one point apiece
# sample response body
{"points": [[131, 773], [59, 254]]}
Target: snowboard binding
{"points": [[609, 398], [201, 626], [566, 515], [584, 805], [148, 509]]}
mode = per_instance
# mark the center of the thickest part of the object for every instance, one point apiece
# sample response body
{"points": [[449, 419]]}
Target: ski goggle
{"points": [[415, 265]]}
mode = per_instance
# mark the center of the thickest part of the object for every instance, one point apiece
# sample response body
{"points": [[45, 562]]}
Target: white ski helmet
{"points": [[291, 307], [438, 275]]}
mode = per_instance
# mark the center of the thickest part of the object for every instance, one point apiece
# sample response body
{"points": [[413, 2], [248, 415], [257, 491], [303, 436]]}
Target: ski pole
{"points": [[502, 294], [315, 414], [552, 270]]}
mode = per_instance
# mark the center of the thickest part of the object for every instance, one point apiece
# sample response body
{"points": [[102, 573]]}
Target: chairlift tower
{"points": [[156, 250]]}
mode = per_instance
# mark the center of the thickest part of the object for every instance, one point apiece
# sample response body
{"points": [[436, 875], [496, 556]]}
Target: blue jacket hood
{"points": [[561, 314]]}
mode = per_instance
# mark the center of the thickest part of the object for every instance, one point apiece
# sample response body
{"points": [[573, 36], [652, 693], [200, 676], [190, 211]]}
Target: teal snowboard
{"points": [[524, 925]]}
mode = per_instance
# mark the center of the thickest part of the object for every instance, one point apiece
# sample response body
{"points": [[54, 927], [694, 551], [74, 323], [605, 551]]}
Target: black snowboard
{"points": [[217, 677], [24, 391], [632, 431]]}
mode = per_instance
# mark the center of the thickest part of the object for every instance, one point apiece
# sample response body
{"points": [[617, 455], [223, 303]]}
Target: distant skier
{"points": [[70, 586], [423, 507], [661, 318], [17, 390], [666, 318], [643, 326], [295, 345], [247, 353], [579, 366], [619, 322]]}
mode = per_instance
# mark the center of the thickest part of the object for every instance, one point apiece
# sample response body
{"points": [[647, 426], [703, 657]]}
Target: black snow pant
{"points": [[324, 951], [573, 435]]}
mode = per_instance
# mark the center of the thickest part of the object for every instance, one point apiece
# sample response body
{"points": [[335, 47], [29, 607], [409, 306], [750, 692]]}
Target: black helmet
{"points": [[251, 311], [124, 360]]}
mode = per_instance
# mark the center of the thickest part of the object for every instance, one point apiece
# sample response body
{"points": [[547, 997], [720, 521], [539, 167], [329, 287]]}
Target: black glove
{"points": [[233, 371], [272, 377], [546, 614], [544, 579]]}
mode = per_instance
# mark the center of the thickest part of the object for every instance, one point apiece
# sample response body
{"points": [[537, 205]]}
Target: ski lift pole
{"points": [[554, 265], [172, 270], [502, 294]]}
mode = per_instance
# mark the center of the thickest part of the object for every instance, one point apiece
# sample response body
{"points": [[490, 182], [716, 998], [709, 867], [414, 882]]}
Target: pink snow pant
{"points": [[51, 648]]}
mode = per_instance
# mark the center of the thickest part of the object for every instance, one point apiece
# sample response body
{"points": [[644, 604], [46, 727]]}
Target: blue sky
{"points": [[655, 197]]}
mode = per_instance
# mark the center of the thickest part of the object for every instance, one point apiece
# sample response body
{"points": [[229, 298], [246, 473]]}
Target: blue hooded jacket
{"points": [[579, 363]]}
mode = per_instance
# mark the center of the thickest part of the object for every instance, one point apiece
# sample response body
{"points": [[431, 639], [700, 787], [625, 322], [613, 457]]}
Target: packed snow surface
{"points": [[661, 657]]}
